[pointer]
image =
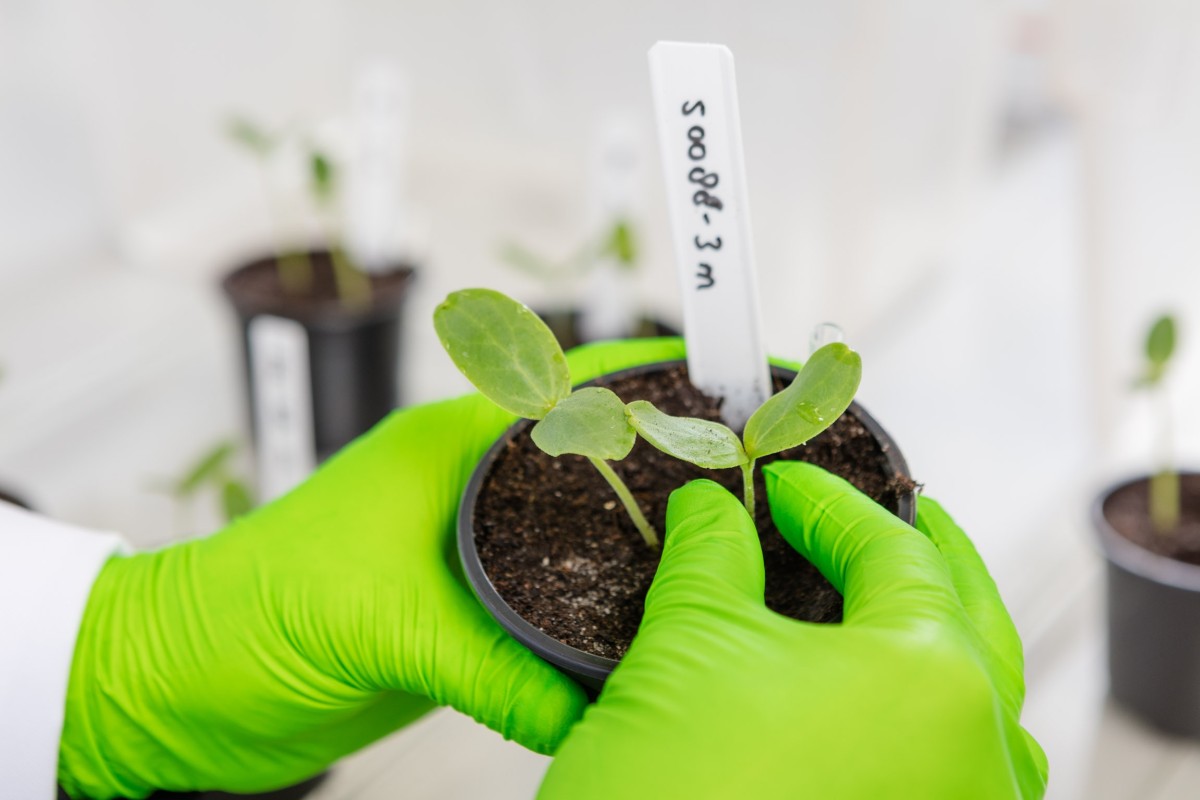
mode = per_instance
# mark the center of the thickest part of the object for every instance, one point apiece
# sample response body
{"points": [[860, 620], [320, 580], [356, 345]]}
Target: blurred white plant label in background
{"points": [[700, 139], [284, 438]]}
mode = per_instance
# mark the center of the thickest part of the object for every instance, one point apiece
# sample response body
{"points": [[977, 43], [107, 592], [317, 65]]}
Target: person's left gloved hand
{"points": [[917, 693], [254, 658]]}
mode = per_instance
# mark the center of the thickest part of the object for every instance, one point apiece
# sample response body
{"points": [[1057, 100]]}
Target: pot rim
{"points": [[326, 316], [1133, 557], [546, 646]]}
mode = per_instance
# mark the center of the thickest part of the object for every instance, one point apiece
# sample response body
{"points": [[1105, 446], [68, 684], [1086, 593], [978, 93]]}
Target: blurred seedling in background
{"points": [[294, 267], [594, 286], [821, 391], [353, 285], [1164, 484], [512, 357], [617, 243], [213, 473]]}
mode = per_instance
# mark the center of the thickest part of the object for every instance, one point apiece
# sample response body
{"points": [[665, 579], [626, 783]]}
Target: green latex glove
{"points": [[916, 694], [254, 658]]}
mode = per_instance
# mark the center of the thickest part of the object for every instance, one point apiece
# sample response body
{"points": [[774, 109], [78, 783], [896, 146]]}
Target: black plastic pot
{"points": [[1153, 610], [12, 498], [296, 792], [348, 358], [585, 668]]}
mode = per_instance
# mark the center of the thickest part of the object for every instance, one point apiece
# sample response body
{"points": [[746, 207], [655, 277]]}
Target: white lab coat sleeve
{"points": [[46, 573]]}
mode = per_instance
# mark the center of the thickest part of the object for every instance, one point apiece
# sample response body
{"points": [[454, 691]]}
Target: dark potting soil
{"points": [[256, 288], [560, 549], [1128, 511]]}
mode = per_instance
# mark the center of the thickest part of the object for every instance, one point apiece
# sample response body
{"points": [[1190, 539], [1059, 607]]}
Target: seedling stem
{"points": [[1164, 484], [639, 519], [353, 285], [748, 486]]}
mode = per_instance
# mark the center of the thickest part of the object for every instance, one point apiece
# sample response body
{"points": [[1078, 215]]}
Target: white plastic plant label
{"points": [[700, 137], [374, 195], [285, 443], [608, 304]]}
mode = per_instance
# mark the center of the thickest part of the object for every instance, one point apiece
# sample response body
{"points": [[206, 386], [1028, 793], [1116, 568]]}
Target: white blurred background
{"points": [[992, 197]]}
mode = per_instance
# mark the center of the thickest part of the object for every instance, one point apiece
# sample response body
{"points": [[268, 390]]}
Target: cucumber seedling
{"points": [[818, 395], [513, 359], [295, 270], [353, 285], [1164, 484], [213, 473], [295, 267]]}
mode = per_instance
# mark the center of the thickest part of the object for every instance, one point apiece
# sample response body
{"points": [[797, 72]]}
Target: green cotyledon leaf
{"points": [[207, 468], [821, 391], [706, 444], [236, 499], [589, 422], [505, 350], [251, 136], [1160, 343]]}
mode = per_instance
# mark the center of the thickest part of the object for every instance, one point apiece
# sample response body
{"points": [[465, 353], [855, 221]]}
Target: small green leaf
{"points": [[528, 262], [250, 136], [505, 350], [820, 393], [207, 468], [235, 499], [1160, 343], [621, 244], [706, 444], [321, 173], [590, 422]]}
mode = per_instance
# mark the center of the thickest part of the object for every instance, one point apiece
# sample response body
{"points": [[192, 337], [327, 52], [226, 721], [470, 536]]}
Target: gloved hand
{"points": [[916, 694], [254, 658]]}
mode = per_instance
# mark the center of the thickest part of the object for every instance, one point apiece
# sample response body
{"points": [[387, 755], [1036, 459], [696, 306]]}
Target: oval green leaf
{"points": [[250, 136], [706, 444], [208, 468], [589, 422], [322, 176], [820, 393], [505, 350], [235, 499], [1160, 343]]}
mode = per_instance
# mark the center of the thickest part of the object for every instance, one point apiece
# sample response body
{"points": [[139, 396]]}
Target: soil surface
{"points": [[560, 549], [256, 289], [1128, 511]]}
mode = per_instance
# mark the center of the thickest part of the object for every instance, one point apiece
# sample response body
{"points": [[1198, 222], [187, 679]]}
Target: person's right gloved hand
{"points": [[917, 694]]}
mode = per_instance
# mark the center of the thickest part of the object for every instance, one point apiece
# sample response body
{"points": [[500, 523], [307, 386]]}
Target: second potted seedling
{"points": [[561, 545], [1149, 529], [599, 311], [321, 337]]}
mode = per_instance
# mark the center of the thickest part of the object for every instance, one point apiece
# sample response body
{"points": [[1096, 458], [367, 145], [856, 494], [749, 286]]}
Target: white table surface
{"points": [[121, 377]]}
